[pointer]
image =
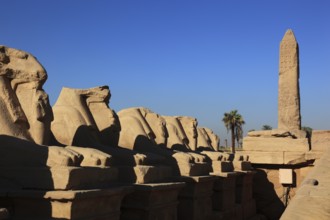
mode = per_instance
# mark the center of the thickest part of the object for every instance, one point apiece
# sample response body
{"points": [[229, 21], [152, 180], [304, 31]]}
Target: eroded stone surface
{"points": [[26, 114], [313, 196], [288, 91], [275, 144], [215, 140], [87, 120], [147, 131], [320, 140]]}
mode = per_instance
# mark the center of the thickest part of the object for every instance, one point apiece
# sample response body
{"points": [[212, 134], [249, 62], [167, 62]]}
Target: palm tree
{"points": [[234, 123], [308, 130], [266, 127]]}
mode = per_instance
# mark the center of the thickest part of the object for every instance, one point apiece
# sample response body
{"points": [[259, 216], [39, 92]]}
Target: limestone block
{"points": [[275, 144], [195, 200], [306, 207], [244, 187], [264, 157], [144, 174], [189, 125], [39, 205], [278, 133], [225, 183], [313, 155], [59, 178], [196, 185], [194, 169], [223, 200], [215, 140], [320, 140], [294, 157], [313, 196], [242, 165], [152, 201], [224, 193], [222, 166], [216, 155]]}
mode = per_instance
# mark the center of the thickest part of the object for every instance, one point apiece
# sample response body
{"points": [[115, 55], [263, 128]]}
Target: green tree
{"points": [[267, 127], [308, 130], [234, 123]]}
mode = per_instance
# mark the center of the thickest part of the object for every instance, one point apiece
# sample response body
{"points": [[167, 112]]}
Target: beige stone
{"points": [[288, 92], [77, 112], [196, 135], [242, 165], [25, 122], [57, 178], [313, 155], [195, 200], [261, 157], [224, 195], [26, 113], [177, 139], [215, 140], [294, 157], [204, 147], [313, 196], [278, 133], [320, 140], [143, 174], [203, 140], [275, 144], [189, 125], [152, 201], [67, 204], [146, 131], [90, 122]]}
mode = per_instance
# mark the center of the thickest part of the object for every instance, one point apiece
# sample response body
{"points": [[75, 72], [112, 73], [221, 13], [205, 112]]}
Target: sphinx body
{"points": [[26, 114], [179, 140], [214, 139], [203, 140], [200, 139], [137, 134], [147, 131], [88, 121]]}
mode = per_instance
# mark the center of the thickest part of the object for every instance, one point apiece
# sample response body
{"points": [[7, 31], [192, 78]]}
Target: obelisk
{"points": [[289, 117]]}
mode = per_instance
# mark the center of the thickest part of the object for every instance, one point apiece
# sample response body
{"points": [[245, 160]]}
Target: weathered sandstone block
{"points": [[275, 144], [320, 140], [41, 205]]}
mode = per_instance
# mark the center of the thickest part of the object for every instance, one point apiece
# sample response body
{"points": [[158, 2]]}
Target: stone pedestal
{"points": [[193, 169], [244, 184], [222, 166], [144, 174], [195, 200], [320, 140], [224, 195], [313, 196], [244, 194], [152, 201], [98, 204], [59, 178]]}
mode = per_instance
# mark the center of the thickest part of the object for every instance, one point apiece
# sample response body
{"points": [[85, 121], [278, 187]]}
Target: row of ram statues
{"points": [[81, 160]]}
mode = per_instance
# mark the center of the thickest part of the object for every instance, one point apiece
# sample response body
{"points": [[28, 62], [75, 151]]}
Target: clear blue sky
{"points": [[197, 58]]}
